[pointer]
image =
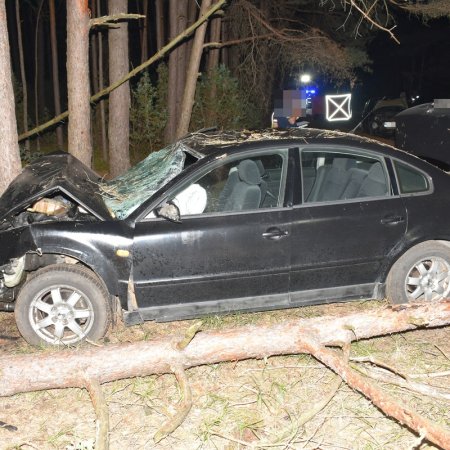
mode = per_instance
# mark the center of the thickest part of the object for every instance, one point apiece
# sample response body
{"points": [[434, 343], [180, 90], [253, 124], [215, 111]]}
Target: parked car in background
{"points": [[423, 130], [379, 115], [218, 223]]}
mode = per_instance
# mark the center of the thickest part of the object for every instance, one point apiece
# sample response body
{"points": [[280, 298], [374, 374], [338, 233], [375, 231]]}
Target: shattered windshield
{"points": [[124, 194]]}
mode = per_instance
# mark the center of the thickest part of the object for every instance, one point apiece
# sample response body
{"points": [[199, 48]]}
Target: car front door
{"points": [[231, 249], [348, 224]]}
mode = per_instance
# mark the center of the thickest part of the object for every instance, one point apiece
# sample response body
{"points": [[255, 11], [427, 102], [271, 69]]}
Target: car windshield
{"points": [[124, 194]]}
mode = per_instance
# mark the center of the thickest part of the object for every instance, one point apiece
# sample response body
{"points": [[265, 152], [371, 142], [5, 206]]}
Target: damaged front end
{"points": [[56, 188]]}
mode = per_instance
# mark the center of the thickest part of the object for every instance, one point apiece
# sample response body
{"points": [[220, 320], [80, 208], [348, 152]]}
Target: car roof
{"points": [[215, 143]]}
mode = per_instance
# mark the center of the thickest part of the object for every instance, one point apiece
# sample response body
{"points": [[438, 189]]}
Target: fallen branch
{"points": [[105, 20], [101, 411], [413, 386], [62, 369]]}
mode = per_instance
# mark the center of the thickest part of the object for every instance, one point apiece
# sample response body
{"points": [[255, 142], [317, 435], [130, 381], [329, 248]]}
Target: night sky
{"points": [[420, 65]]}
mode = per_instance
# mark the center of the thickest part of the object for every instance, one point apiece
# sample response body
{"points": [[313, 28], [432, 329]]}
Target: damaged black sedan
{"points": [[218, 223]]}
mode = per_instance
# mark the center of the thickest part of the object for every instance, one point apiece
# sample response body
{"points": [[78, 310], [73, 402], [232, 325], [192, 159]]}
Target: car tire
{"points": [[420, 274], [63, 304]]}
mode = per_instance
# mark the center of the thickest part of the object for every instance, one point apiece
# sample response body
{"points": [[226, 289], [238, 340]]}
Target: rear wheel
{"points": [[63, 304], [421, 274]]}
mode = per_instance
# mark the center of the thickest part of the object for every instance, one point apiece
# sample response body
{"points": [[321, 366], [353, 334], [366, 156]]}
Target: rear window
{"points": [[410, 180]]}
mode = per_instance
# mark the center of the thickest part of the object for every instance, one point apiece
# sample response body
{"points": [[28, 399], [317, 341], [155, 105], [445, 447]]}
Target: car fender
{"points": [[107, 254]]}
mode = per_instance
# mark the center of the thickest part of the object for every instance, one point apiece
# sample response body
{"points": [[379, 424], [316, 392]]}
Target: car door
{"points": [[231, 249], [347, 225]]}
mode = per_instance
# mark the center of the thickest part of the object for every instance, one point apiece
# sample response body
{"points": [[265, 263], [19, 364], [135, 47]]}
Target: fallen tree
{"points": [[89, 368]]}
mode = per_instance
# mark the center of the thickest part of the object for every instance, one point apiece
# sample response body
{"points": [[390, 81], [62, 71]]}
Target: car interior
{"points": [[329, 176]]}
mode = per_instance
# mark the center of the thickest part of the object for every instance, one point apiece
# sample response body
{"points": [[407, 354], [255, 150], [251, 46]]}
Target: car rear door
{"points": [[347, 226], [217, 260]]}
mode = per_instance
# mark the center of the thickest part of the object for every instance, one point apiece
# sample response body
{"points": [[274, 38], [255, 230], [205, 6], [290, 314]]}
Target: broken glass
{"points": [[125, 193]]}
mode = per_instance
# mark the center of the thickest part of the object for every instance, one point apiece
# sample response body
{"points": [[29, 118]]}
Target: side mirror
{"points": [[169, 211]]}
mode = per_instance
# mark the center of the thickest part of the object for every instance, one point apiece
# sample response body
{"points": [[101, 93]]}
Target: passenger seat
{"points": [[331, 181]]}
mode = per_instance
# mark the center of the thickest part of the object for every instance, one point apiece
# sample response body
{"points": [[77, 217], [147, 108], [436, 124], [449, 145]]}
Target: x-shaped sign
{"points": [[338, 107]]}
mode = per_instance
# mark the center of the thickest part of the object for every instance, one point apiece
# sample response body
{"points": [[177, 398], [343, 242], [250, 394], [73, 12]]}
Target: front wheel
{"points": [[63, 304], [421, 274]]}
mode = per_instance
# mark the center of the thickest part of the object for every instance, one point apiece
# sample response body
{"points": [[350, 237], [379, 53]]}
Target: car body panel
{"points": [[209, 258], [50, 174]]}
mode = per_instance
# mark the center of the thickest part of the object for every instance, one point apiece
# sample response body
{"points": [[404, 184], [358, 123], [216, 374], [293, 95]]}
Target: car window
{"points": [[330, 176], [244, 184], [410, 180]]}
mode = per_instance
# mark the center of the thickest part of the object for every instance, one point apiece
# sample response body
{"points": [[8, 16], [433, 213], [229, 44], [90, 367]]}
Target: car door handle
{"points": [[274, 233], [392, 220]]}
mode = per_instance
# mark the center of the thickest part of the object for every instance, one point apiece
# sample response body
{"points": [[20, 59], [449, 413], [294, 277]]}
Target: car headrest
{"points": [[249, 172]]}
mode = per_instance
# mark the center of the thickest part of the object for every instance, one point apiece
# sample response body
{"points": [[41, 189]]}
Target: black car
{"points": [[379, 116], [221, 223], [423, 130]]}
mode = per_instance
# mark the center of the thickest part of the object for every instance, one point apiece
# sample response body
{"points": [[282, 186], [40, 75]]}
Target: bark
{"points": [[181, 58], [214, 53], [22, 74], [101, 85], [144, 37], [55, 73], [94, 52], [11, 165], [159, 11], [119, 100], [192, 75], [36, 71], [25, 373], [172, 81], [79, 136], [156, 57]]}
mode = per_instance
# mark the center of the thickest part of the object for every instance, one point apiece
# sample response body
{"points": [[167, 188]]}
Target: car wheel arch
{"points": [[70, 257], [384, 271]]}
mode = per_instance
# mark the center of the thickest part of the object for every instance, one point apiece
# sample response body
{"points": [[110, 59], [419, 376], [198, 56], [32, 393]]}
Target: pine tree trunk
{"points": [[22, 75], [172, 82], [101, 85], [119, 99], [182, 57], [214, 53], [79, 135], [11, 165], [159, 12], [144, 37], [55, 72], [36, 72], [192, 75]]}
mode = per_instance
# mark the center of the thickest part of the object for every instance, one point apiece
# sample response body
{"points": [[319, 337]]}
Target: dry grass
{"points": [[253, 402]]}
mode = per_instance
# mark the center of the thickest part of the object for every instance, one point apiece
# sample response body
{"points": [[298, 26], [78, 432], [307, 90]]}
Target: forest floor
{"points": [[236, 405]]}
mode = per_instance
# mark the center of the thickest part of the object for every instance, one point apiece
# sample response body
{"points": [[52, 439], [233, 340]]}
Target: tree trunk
{"points": [[181, 58], [22, 74], [36, 72], [11, 165], [94, 52], [172, 81], [214, 54], [144, 37], [101, 84], [119, 99], [159, 12], [93, 366], [192, 75], [55, 72], [79, 135]]}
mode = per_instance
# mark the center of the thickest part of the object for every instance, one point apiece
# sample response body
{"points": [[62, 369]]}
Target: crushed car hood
{"points": [[56, 172]]}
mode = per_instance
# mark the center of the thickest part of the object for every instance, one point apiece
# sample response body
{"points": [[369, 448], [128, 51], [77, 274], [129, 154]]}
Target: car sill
{"points": [[168, 313]]}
